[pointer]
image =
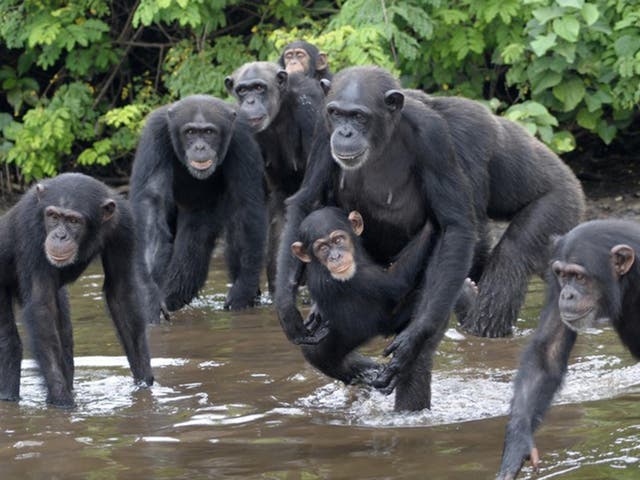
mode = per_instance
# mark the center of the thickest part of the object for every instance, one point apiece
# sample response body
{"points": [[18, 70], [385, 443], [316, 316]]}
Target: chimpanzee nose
{"points": [[567, 295], [346, 132]]}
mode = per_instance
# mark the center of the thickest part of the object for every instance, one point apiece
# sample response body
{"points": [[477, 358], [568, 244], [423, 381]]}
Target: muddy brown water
{"points": [[233, 399]]}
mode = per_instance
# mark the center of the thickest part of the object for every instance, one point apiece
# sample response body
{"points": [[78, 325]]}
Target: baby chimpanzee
{"points": [[357, 299]]}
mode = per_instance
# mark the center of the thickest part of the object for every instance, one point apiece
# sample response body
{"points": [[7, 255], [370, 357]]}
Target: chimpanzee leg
{"points": [[340, 363], [413, 391], [196, 233], [41, 306], [522, 251], [10, 349], [66, 336]]}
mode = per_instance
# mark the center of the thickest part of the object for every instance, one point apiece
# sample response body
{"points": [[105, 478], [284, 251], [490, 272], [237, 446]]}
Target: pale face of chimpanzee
{"points": [[66, 229], [581, 296], [201, 136], [258, 87], [335, 250]]}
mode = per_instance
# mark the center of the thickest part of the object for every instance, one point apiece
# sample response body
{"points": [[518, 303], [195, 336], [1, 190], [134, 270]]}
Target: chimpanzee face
{"points": [[258, 87], [361, 117], [65, 230], [585, 297], [296, 60], [329, 239], [201, 129]]}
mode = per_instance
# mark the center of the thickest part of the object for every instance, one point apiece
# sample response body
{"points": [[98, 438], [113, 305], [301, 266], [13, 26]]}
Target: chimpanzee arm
{"points": [[402, 274], [317, 179], [151, 195], [447, 197], [247, 220], [542, 368], [129, 306]]}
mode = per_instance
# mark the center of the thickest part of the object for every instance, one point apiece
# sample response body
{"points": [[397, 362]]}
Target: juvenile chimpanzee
{"points": [[197, 171], [46, 241], [401, 159], [593, 277], [304, 57], [355, 298], [283, 110]]}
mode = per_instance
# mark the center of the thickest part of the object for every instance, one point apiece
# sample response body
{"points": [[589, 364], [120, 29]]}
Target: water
{"points": [[233, 399]]}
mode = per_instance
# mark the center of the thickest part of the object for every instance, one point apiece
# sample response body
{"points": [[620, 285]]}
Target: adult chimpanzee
{"points": [[197, 171], [401, 160], [593, 277], [356, 298], [304, 57], [283, 110], [46, 241]]}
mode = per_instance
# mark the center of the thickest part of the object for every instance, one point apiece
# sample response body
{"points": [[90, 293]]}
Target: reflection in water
{"points": [[233, 399]]}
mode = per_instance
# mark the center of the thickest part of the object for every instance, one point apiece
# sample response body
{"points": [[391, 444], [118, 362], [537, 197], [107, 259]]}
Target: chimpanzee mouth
{"points": [[350, 160], [201, 165], [61, 258], [256, 122], [578, 321], [344, 272]]}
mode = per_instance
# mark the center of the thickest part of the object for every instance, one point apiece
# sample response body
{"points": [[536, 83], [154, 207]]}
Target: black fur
{"points": [[181, 216], [28, 277], [544, 361]]}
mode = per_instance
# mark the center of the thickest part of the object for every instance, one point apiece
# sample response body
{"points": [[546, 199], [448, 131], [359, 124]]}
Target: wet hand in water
{"points": [[405, 351], [518, 448], [310, 332]]}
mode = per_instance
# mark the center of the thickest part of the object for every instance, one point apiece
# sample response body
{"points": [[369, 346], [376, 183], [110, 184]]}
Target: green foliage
{"points": [[79, 76]]}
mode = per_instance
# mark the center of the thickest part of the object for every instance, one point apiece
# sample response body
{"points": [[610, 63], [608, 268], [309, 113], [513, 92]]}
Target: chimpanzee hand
{"points": [[241, 296], [518, 447], [310, 332], [405, 350]]}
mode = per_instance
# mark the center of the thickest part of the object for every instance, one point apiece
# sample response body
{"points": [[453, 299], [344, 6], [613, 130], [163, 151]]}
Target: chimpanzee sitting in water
{"points": [[356, 299], [593, 277], [46, 241]]}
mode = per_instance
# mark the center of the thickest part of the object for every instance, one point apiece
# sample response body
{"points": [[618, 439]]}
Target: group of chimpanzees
{"points": [[377, 197]]}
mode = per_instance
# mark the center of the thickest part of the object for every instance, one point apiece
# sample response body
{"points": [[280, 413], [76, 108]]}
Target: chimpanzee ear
{"points": [[39, 191], [298, 250], [326, 85], [228, 83], [394, 100], [356, 222], [321, 61], [622, 258], [108, 209], [281, 78]]}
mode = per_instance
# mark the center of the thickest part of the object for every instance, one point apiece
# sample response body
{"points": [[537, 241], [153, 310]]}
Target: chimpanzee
{"points": [[402, 159], [593, 278], [304, 57], [283, 110], [356, 298], [46, 241], [197, 171]]}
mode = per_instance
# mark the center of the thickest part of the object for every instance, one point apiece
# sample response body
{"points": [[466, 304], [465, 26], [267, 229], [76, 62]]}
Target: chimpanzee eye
{"points": [[241, 91], [338, 240], [73, 220], [580, 278], [259, 88], [208, 131], [360, 118], [189, 131]]}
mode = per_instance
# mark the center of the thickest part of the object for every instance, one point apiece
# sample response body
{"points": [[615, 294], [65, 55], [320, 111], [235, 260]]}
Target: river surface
{"points": [[233, 399]]}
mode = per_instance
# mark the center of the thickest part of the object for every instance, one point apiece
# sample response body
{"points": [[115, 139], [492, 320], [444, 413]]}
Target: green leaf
{"points": [[544, 15], [590, 14], [587, 119], [567, 27], [547, 80], [543, 43], [606, 132], [563, 142], [627, 45], [570, 93], [577, 4]]}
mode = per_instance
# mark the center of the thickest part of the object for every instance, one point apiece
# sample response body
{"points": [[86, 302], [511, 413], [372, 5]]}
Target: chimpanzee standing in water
{"points": [[283, 110], [46, 241], [198, 171], [594, 277], [402, 159], [356, 299], [304, 57]]}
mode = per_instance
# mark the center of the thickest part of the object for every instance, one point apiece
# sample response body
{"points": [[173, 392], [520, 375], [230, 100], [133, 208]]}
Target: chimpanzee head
{"points": [[258, 87], [363, 106], [201, 128], [75, 208], [303, 57], [591, 266], [328, 238]]}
